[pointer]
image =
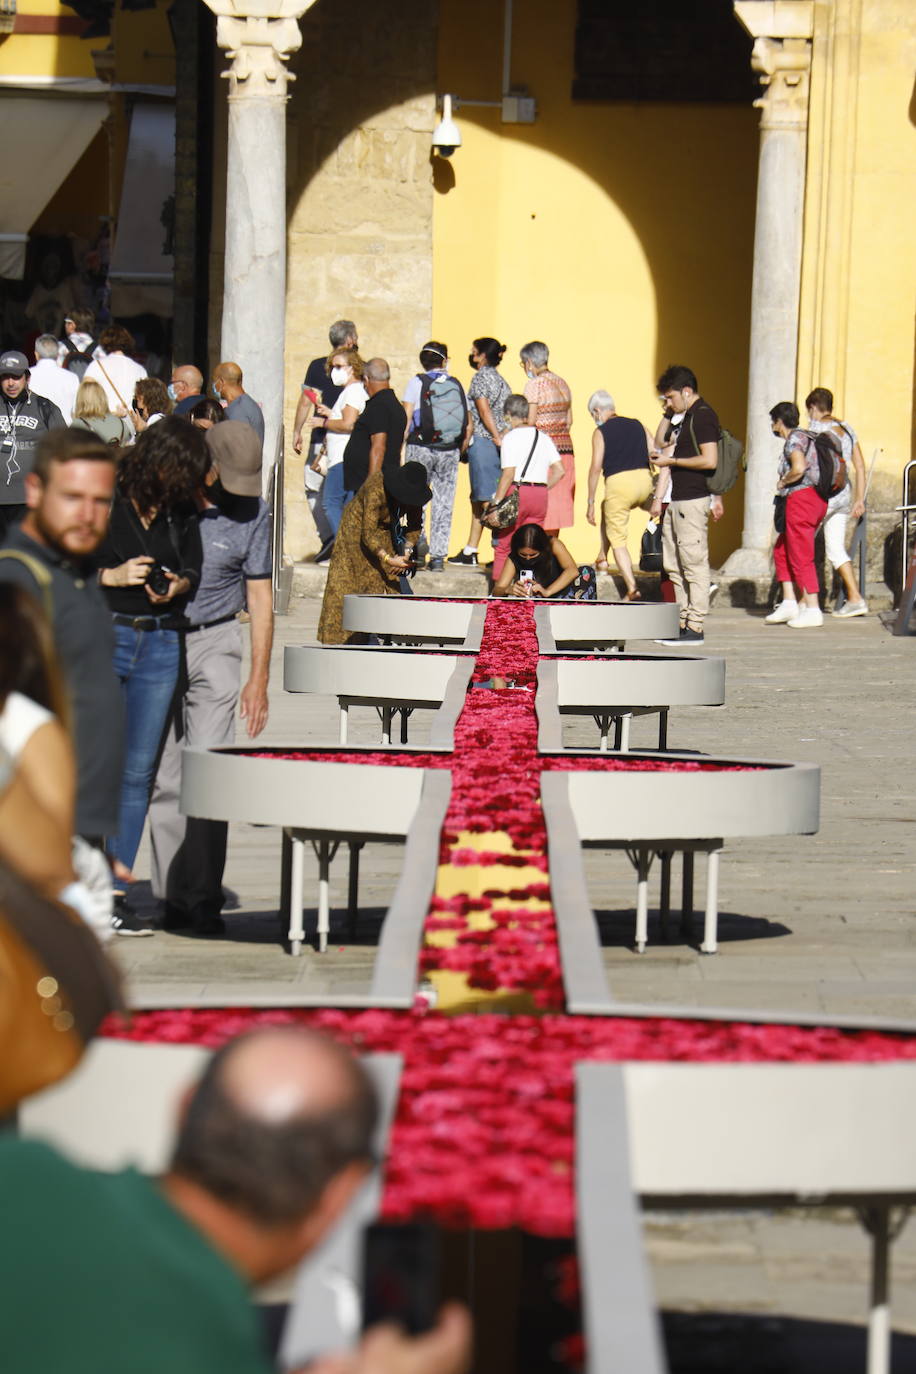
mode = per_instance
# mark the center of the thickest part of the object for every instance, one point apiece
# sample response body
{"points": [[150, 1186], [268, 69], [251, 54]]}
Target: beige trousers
{"points": [[685, 554]]}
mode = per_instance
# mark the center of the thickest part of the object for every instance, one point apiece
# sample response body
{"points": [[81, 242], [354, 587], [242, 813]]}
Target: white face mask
{"points": [[339, 375]]}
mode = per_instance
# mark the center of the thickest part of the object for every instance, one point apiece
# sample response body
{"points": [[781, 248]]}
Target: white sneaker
{"points": [[808, 618], [851, 609], [785, 611]]}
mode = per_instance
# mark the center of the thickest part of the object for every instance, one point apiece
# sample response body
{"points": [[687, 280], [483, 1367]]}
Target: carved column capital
{"points": [[259, 36], [782, 31]]}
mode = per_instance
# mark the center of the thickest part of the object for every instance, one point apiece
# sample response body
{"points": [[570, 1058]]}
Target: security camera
{"points": [[446, 135]]}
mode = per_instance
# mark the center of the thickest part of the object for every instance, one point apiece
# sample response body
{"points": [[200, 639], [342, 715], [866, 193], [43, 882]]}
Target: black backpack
{"points": [[77, 360], [831, 464]]}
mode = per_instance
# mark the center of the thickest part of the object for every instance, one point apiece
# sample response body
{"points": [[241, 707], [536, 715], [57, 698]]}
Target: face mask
{"points": [[530, 375], [173, 394], [216, 392], [472, 360], [339, 375]]}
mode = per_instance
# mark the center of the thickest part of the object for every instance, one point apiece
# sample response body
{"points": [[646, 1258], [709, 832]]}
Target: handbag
{"points": [[56, 987], [505, 512], [779, 514], [650, 550]]}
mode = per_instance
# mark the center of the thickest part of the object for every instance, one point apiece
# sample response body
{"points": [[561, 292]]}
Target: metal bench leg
{"points": [[625, 733], [618, 731], [663, 729], [643, 862], [296, 927], [603, 723], [344, 723], [877, 1223], [687, 895], [665, 899], [711, 925], [386, 724], [353, 889], [405, 713], [325, 852]]}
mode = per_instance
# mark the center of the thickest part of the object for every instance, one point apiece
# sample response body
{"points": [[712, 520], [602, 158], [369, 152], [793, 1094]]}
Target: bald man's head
{"points": [[230, 373], [377, 375], [276, 1115], [187, 380]]}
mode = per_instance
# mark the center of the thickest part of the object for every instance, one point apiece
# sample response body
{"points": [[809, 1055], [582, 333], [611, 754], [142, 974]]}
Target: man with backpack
{"points": [[685, 537], [848, 501], [77, 350], [437, 435], [24, 418]]}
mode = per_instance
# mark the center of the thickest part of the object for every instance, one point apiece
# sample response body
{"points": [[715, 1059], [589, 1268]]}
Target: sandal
{"points": [[635, 595]]}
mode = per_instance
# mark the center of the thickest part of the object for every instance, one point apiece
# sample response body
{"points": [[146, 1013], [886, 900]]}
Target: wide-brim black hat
{"points": [[407, 484]]}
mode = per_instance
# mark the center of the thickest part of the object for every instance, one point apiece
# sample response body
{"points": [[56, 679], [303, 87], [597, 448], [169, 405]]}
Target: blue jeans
{"points": [[146, 664], [334, 496], [484, 467]]}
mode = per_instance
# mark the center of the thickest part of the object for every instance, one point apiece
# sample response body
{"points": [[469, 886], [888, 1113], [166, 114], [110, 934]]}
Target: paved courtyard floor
{"points": [[823, 925]]}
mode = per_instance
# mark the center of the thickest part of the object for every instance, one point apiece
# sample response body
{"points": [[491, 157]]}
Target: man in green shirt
{"points": [[121, 1274]]}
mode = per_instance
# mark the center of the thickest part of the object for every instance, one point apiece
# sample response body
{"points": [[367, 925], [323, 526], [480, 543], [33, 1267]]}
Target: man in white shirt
{"points": [[49, 380]]}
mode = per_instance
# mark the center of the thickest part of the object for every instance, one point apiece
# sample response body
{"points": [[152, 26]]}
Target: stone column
{"points": [[259, 36], [782, 30]]}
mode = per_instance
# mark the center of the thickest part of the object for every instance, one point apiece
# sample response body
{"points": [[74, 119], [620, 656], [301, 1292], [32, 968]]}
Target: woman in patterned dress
{"points": [[375, 545], [550, 409]]}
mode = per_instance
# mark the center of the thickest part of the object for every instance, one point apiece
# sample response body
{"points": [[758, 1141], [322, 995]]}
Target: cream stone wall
{"points": [[360, 198], [859, 267]]}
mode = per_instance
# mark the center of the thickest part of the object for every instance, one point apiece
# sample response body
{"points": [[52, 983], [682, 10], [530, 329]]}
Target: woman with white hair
{"points": [[550, 409], [620, 452]]}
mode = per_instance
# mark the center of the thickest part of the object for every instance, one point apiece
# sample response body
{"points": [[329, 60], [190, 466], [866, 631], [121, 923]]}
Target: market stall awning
{"points": [[44, 136]]}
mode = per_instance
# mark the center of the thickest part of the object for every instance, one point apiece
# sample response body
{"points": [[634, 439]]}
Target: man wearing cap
{"points": [[24, 418], [189, 855]]}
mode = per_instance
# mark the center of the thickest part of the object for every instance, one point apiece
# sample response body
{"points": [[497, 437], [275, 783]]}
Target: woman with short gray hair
{"points": [[550, 409], [620, 453]]}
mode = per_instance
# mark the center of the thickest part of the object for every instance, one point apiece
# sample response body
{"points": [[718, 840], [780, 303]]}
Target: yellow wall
{"points": [[621, 235], [859, 273]]}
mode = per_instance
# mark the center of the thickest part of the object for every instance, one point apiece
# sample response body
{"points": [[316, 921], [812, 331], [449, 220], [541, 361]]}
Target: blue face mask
{"points": [[173, 394], [215, 389]]}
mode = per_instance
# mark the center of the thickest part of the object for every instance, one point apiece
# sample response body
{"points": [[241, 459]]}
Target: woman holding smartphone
{"points": [[540, 564]]}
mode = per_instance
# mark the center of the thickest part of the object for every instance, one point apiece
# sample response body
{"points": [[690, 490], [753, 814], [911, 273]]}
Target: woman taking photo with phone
{"points": [[539, 564]]}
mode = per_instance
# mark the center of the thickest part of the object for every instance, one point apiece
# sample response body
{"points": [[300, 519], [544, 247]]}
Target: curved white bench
{"points": [[328, 804]]}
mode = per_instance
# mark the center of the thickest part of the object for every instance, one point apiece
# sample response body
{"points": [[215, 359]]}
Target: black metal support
{"points": [[353, 889], [687, 894]]}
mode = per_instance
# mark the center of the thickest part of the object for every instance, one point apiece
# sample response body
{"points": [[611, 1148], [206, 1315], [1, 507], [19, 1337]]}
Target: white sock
{"points": [[470, 548]]}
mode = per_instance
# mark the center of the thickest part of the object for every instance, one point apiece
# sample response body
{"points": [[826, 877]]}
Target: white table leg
{"points": [[296, 927], [344, 722], [386, 724], [711, 926], [625, 733], [879, 1314], [323, 849], [642, 900]]}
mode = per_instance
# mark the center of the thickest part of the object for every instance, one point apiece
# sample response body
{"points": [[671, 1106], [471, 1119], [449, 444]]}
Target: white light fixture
{"points": [[446, 135]]}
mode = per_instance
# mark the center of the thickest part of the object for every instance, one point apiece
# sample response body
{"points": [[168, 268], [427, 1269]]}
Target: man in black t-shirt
{"points": [[378, 433], [685, 542]]}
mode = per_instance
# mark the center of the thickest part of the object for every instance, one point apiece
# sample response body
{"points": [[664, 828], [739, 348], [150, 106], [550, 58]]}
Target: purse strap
{"points": [[112, 385], [520, 480]]}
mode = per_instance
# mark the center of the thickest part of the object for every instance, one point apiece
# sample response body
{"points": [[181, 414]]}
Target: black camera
{"points": [[157, 581]]}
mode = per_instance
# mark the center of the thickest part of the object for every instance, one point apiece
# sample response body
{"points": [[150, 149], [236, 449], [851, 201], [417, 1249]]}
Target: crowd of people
{"points": [[134, 525], [132, 512], [518, 447]]}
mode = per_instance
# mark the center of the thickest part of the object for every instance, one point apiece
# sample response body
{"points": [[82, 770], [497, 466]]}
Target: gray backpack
{"points": [[729, 463]]}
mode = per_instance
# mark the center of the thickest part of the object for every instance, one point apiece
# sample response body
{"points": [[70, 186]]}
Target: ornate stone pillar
{"points": [[259, 36], [782, 30]]}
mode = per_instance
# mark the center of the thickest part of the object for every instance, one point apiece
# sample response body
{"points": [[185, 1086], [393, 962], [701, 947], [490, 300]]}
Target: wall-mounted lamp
{"points": [[446, 135]]}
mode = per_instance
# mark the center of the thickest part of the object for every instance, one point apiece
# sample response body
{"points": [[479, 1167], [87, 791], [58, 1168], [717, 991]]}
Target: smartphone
{"points": [[401, 1276]]}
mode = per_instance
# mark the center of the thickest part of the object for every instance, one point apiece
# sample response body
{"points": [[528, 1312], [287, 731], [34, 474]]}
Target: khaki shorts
{"points": [[623, 492]]}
